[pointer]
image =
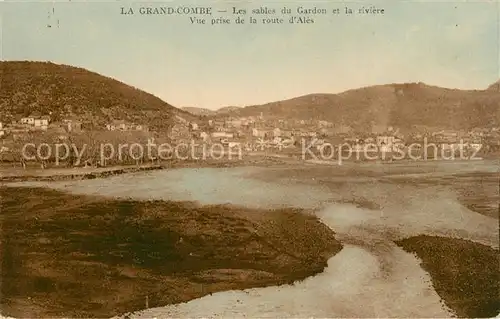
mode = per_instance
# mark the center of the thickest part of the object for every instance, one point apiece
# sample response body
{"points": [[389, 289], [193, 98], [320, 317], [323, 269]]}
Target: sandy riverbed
{"points": [[381, 209]]}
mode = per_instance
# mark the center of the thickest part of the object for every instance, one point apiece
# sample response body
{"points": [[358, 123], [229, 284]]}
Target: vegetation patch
{"points": [[465, 274], [79, 256]]}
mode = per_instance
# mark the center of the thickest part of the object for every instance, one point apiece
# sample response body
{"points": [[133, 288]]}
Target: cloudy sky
{"points": [[445, 43]]}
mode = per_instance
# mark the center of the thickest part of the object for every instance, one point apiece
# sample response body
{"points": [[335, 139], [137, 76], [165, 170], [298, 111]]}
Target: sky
{"points": [[447, 43]]}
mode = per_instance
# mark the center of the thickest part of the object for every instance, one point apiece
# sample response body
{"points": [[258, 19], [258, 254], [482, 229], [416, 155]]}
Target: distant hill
{"points": [[206, 112], [198, 111], [400, 105], [44, 87], [227, 109]]}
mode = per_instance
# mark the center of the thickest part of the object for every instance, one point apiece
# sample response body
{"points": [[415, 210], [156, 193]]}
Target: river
{"points": [[371, 276]]}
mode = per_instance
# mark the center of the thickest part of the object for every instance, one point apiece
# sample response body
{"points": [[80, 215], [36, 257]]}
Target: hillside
{"points": [[199, 111], [227, 109], [495, 86], [402, 105], [44, 87]]}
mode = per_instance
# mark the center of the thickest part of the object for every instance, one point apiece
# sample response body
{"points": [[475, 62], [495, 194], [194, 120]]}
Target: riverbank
{"points": [[13, 174], [464, 274], [10, 174], [65, 255]]}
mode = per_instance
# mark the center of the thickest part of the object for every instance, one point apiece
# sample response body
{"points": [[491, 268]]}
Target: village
{"points": [[279, 135], [254, 134]]}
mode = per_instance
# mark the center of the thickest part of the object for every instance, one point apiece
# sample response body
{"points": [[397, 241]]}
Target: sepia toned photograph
{"points": [[249, 159]]}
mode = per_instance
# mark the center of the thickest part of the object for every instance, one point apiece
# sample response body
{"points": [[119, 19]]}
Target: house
{"points": [[222, 135], [300, 133], [387, 140], [234, 144], [72, 125], [193, 126], [179, 131], [122, 125], [288, 142], [277, 132], [446, 136], [42, 122], [236, 123], [139, 127], [36, 120], [30, 120], [262, 133], [312, 134], [110, 127], [219, 123], [116, 125], [324, 124], [258, 133], [286, 133]]}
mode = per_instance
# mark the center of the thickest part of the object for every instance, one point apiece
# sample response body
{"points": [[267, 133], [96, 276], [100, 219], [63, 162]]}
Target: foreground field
{"points": [[419, 240], [81, 256]]}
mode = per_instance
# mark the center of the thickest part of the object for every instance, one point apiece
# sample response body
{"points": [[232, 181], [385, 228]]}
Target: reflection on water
{"points": [[204, 185]]}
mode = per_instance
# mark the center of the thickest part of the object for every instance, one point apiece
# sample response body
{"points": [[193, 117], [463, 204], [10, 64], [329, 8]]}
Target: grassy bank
{"points": [[80, 256], [464, 274]]}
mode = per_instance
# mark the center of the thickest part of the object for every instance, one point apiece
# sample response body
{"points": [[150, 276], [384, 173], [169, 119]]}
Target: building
{"points": [[72, 125], [36, 120], [446, 136], [122, 125], [222, 135], [193, 126], [286, 133], [385, 140], [235, 123], [179, 131], [116, 125], [277, 132], [30, 120], [261, 133], [139, 127], [258, 133], [324, 124], [42, 122]]}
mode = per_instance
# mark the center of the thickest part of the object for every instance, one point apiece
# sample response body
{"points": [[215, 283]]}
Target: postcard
{"points": [[230, 159]]}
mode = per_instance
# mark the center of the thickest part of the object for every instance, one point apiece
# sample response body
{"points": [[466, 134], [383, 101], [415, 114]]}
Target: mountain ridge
{"points": [[397, 104], [62, 90]]}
